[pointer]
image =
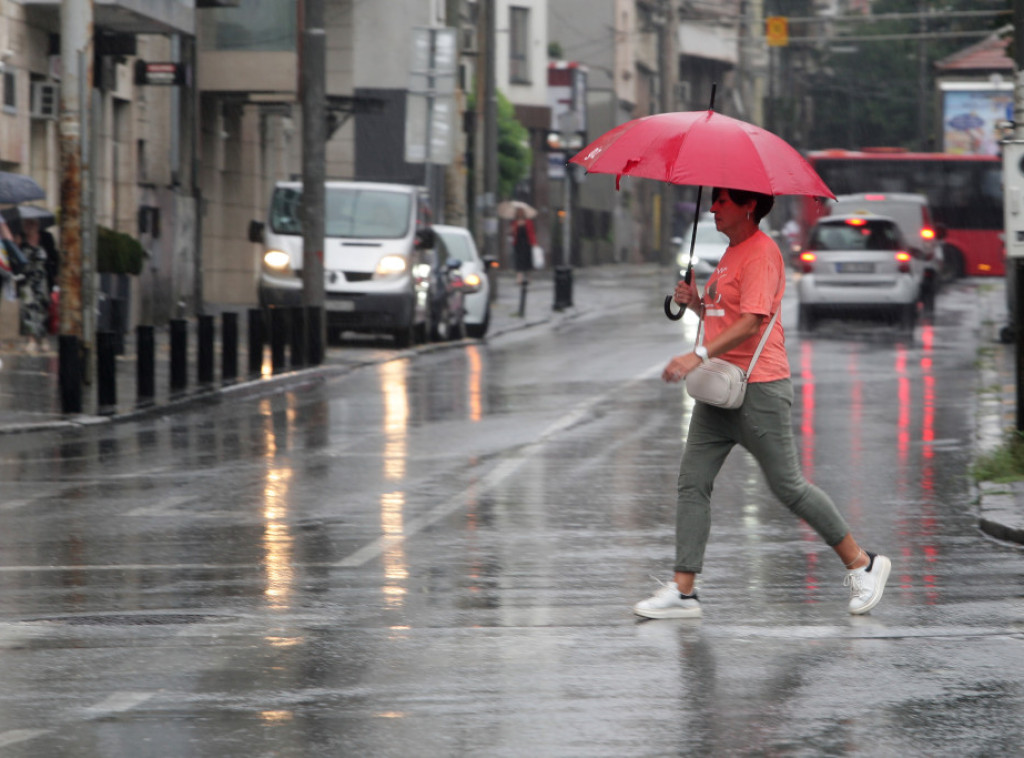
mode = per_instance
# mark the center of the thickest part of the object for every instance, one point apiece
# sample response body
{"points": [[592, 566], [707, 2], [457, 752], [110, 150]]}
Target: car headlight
{"points": [[390, 265], [277, 261], [472, 280]]}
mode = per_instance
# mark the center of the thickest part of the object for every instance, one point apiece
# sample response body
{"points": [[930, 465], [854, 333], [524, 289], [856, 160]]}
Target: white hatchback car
{"points": [[461, 246], [858, 264]]}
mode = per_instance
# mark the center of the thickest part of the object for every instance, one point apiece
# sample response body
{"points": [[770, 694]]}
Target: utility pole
{"points": [[314, 126], [490, 128], [1013, 173], [76, 88], [668, 65]]}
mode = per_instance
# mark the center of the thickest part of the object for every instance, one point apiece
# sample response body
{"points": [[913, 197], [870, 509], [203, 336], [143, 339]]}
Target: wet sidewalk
{"points": [[30, 385]]}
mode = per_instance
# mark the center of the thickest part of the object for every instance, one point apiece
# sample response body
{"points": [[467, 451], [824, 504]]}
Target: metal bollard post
{"points": [[106, 371], [70, 374], [256, 340], [314, 328], [145, 365], [205, 357], [298, 330], [179, 354], [278, 338], [118, 308], [229, 346], [524, 285]]}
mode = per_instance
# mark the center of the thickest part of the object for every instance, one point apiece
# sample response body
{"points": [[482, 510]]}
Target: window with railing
{"points": [[519, 45]]}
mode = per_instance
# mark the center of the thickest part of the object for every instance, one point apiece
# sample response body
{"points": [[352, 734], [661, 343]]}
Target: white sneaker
{"points": [[867, 583], [669, 603]]}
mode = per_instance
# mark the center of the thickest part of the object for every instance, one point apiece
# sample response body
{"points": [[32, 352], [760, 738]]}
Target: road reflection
{"points": [[394, 377], [278, 543]]}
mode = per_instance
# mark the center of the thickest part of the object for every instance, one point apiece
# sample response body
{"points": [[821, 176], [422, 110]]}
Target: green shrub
{"points": [[1004, 464], [118, 253]]}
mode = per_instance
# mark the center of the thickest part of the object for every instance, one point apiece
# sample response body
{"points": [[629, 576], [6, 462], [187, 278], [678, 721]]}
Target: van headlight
{"points": [[390, 265], [277, 261]]}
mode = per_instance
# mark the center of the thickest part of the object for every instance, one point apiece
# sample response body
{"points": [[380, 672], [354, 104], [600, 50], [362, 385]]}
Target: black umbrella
{"points": [[18, 188], [45, 217]]}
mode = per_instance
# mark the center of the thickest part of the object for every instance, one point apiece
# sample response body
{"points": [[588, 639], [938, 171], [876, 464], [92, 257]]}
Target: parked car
{"points": [[369, 256], [474, 271], [858, 264], [707, 249], [911, 213], [444, 287]]}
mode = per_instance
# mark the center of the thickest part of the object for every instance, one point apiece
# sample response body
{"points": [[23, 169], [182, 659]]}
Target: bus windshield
{"points": [[349, 212]]}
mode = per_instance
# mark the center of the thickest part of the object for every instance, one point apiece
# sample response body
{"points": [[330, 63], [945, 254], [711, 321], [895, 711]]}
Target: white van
{"points": [[370, 256]]}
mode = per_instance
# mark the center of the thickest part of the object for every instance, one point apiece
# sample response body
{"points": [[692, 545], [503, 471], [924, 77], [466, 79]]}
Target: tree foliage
{"points": [[873, 93], [514, 153]]}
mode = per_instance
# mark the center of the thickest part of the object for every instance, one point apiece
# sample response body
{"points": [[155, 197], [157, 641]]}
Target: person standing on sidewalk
{"points": [[523, 239], [738, 302], [34, 289]]}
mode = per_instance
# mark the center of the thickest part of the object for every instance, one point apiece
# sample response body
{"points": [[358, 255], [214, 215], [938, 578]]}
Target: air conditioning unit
{"points": [[45, 100]]}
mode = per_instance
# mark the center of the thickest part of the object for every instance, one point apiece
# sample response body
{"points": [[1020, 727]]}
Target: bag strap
{"points": [[760, 345]]}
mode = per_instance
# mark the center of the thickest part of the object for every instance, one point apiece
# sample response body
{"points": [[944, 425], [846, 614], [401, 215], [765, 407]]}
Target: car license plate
{"points": [[857, 267], [341, 305]]}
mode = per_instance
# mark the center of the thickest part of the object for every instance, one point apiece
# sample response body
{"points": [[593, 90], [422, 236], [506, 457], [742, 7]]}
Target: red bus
{"points": [[965, 193]]}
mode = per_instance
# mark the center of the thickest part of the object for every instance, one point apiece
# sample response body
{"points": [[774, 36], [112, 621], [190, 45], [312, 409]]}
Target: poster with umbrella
{"points": [[702, 148]]}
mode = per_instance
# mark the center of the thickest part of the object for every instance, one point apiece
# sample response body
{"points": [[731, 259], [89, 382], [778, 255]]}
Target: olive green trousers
{"points": [[762, 425]]}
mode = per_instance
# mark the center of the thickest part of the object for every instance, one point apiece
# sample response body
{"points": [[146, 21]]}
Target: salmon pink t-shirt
{"points": [[750, 278]]}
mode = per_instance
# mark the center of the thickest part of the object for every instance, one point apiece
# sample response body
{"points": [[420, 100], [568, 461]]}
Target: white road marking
{"points": [[118, 702], [15, 736]]}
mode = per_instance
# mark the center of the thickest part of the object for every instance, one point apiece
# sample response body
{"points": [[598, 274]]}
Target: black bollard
{"points": [[523, 286], [229, 346], [145, 365], [106, 372], [298, 335], [278, 338], [179, 354], [70, 374], [256, 340], [204, 360], [315, 331], [118, 314]]}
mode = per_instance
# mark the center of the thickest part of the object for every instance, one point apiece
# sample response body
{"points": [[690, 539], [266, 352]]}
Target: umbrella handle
{"points": [[668, 309], [668, 298]]}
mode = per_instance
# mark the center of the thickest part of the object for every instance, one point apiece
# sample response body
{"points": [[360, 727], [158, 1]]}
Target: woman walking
{"points": [[739, 300]]}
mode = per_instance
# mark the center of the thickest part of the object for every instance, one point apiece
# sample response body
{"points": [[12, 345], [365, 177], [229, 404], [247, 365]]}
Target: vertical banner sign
{"points": [[776, 31], [430, 104]]}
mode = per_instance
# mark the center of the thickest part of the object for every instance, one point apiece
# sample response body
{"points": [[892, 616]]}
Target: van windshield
{"points": [[348, 212]]}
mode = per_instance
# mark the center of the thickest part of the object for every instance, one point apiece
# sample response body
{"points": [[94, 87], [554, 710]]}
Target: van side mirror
{"points": [[941, 230], [256, 231]]}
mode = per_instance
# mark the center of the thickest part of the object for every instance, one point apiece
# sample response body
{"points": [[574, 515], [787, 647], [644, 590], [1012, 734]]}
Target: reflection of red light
{"points": [[807, 422]]}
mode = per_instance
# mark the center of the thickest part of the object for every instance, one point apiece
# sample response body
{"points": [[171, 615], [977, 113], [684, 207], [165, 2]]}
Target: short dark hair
{"points": [[742, 197]]}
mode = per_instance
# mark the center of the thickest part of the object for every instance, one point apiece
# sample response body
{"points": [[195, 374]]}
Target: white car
{"points": [[708, 248], [855, 264], [461, 247]]}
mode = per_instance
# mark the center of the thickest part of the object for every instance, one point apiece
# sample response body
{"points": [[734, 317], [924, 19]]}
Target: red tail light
{"points": [[857, 221], [927, 233], [807, 259], [903, 259]]}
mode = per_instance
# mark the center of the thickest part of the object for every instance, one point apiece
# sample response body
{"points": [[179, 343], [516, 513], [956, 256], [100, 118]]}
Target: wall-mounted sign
{"points": [[172, 74]]}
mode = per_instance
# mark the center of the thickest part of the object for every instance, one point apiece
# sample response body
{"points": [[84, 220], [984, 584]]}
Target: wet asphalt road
{"points": [[436, 556]]}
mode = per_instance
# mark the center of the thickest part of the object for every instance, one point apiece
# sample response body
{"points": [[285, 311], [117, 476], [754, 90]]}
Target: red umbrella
{"points": [[702, 148]]}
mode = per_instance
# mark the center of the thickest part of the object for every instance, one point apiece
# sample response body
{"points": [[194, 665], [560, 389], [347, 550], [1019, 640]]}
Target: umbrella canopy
{"points": [[703, 148], [508, 208], [18, 188], [45, 217]]}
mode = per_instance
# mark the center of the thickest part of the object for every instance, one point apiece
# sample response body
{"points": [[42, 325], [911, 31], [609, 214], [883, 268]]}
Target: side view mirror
{"points": [[941, 230], [425, 238], [256, 231], [454, 264]]}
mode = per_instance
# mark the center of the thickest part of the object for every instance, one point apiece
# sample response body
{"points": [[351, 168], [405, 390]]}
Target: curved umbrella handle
{"points": [[668, 309]]}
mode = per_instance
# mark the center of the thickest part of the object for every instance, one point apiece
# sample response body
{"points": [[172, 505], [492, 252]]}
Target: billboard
{"points": [[974, 116]]}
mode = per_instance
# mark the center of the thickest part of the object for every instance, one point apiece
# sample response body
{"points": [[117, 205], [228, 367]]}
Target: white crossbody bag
{"points": [[718, 382]]}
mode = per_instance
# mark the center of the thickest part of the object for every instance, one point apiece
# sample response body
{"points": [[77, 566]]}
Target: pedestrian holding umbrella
{"points": [[747, 166]]}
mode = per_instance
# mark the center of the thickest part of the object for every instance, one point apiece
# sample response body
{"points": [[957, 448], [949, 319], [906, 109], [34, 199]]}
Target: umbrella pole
{"points": [[688, 277], [693, 234]]}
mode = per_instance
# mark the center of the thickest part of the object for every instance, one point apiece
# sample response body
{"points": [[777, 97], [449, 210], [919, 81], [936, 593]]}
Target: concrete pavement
{"points": [[29, 384]]}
